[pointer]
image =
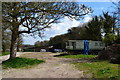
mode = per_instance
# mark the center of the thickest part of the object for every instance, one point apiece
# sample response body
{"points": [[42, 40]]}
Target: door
{"points": [[74, 45], [86, 46]]}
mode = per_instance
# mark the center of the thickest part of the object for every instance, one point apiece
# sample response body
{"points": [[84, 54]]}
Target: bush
{"points": [[109, 38], [111, 53]]}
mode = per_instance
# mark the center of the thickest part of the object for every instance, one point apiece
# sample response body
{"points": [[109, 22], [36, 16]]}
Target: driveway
{"points": [[54, 67]]}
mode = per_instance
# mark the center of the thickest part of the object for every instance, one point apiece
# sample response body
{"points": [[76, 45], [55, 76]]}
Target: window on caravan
{"points": [[96, 44], [74, 45], [67, 43], [101, 44]]}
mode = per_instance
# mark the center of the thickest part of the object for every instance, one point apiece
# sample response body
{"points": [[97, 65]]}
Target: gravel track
{"points": [[54, 67]]}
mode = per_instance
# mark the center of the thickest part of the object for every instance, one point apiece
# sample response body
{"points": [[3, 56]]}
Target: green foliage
{"points": [[107, 23], [20, 62], [109, 38], [104, 70], [78, 56], [59, 41], [41, 43], [117, 40], [5, 53], [77, 33], [93, 29], [99, 69]]}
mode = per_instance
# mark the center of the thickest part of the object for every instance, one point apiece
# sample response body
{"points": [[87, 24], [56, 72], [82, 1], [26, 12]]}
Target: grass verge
{"points": [[99, 69], [4, 53], [20, 62], [78, 56]]}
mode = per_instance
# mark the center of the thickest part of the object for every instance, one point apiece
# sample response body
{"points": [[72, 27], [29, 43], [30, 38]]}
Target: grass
{"points": [[5, 53], [99, 69], [20, 62], [78, 56]]}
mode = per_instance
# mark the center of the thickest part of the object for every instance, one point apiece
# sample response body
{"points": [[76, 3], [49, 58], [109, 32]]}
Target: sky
{"points": [[61, 28]]}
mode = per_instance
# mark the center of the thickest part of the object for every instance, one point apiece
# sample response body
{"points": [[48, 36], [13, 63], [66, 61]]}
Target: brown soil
{"points": [[54, 67]]}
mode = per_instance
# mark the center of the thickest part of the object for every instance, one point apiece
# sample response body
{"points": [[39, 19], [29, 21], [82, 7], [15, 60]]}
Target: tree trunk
{"points": [[18, 48], [13, 46], [18, 45], [4, 48]]}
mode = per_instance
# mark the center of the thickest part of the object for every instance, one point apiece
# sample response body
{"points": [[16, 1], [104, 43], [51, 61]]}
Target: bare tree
{"points": [[117, 16], [34, 17]]}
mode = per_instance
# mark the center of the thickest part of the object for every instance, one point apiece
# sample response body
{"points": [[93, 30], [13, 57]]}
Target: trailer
{"points": [[85, 46]]}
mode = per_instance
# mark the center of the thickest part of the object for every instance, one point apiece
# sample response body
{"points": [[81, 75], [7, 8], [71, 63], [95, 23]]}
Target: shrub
{"points": [[111, 53], [109, 38]]}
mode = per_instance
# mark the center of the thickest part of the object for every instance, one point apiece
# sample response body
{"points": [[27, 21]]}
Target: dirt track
{"points": [[53, 68]]}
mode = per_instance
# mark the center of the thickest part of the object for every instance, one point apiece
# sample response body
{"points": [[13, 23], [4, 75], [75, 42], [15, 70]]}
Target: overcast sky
{"points": [[66, 24]]}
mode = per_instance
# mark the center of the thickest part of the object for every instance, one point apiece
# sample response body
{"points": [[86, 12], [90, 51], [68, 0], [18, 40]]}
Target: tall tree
{"points": [[34, 17], [117, 16], [41, 43], [77, 33], [19, 43], [109, 27], [58, 41], [37, 43], [108, 23], [93, 29]]}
